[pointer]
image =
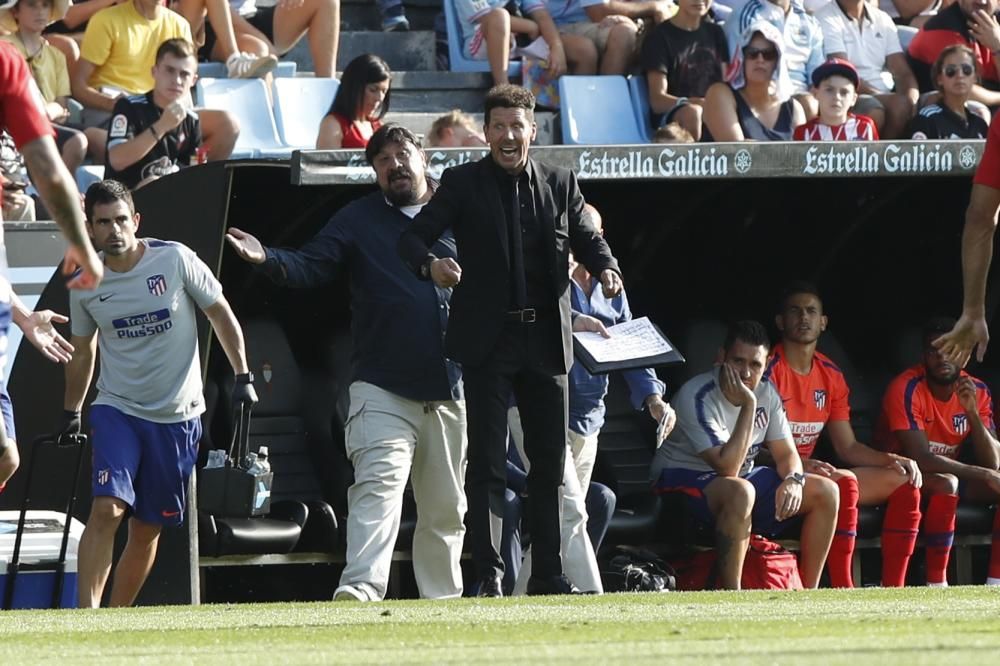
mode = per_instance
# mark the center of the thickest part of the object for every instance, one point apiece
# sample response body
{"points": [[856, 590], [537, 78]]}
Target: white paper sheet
{"points": [[632, 339]]}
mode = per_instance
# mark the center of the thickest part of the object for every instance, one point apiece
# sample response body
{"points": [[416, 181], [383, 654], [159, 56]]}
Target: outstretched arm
{"points": [[971, 332]]}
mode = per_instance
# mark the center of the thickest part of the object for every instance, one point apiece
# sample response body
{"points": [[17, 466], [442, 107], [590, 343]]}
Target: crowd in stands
{"points": [[737, 70]]}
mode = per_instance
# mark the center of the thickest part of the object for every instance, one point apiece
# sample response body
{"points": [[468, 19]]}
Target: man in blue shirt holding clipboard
{"points": [[587, 391]]}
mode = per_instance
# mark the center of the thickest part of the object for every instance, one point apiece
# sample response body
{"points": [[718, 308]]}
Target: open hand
{"points": [[39, 331], [246, 245], [969, 334]]}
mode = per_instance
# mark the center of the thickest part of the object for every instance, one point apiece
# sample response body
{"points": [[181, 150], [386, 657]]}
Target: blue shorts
{"points": [[145, 464], [5, 404], [692, 483], [7, 407]]}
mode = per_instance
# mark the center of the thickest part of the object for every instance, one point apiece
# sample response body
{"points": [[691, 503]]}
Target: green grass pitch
{"points": [[910, 626]]}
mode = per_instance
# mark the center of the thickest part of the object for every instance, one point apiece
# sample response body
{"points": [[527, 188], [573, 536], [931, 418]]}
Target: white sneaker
{"points": [[249, 66], [351, 593]]}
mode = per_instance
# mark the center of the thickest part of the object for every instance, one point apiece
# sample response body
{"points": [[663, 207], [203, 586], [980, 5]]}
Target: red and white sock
{"points": [[939, 533], [838, 562], [899, 534], [994, 572]]}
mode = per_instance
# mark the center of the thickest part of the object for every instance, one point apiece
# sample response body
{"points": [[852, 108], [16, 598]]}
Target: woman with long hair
{"points": [[362, 100], [755, 103], [952, 116]]}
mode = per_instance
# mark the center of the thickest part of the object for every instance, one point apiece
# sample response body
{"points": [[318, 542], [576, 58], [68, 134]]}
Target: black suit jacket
{"points": [[468, 202]]}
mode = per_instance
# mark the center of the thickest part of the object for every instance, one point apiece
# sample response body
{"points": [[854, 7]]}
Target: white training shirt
{"points": [[705, 419], [148, 332], [867, 44]]}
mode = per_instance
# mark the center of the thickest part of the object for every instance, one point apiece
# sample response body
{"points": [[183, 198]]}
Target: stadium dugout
{"points": [[702, 231]]}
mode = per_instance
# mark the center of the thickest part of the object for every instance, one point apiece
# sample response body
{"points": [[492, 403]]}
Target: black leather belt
{"points": [[525, 316]]}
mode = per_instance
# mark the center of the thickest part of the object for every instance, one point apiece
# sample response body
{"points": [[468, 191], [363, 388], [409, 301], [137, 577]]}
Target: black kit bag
{"points": [[633, 569], [239, 488]]}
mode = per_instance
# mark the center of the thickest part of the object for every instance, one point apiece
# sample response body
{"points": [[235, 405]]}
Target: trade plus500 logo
{"points": [[143, 325]]}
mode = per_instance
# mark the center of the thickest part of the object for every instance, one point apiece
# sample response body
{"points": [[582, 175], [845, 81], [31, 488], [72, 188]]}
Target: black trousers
{"points": [[526, 363]]}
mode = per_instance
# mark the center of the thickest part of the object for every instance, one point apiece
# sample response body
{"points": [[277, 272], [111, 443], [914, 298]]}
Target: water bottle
{"points": [[263, 464]]}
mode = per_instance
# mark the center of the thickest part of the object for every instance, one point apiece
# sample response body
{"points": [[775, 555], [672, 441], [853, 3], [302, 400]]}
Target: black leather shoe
{"points": [[490, 587], [551, 585]]}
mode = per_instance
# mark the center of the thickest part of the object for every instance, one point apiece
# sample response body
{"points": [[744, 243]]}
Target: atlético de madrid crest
{"points": [[819, 397], [157, 285]]}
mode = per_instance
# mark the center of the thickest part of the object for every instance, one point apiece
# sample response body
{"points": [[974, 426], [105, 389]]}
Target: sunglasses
{"points": [[951, 70], [769, 54]]}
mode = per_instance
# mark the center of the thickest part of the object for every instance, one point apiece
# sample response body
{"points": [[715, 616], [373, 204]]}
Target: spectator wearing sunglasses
{"points": [[860, 32], [951, 117], [755, 103]]}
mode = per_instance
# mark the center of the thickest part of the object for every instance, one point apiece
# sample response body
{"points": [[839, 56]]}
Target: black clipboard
{"points": [[673, 357]]}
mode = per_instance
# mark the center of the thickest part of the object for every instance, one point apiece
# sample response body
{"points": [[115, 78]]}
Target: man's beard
{"points": [[944, 380], [406, 197]]}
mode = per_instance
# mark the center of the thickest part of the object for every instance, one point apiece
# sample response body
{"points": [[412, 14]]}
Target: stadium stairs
{"points": [[420, 90]]}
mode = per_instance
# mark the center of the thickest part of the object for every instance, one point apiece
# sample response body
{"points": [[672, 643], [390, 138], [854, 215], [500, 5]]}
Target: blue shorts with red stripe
{"points": [[691, 483], [145, 464]]}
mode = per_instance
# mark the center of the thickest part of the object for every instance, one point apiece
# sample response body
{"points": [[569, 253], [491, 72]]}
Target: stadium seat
{"points": [[906, 35], [278, 423], [217, 70], [299, 106], [639, 92], [597, 110], [88, 174], [278, 532], [456, 56], [247, 99]]}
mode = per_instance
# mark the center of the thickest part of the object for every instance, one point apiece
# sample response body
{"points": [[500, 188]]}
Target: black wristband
{"points": [[70, 414], [244, 378]]}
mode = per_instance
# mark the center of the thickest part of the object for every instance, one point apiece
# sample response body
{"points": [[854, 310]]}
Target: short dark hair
{"points": [[795, 288], [389, 133], [749, 331], [935, 327], [508, 96], [106, 192], [366, 68], [177, 47]]}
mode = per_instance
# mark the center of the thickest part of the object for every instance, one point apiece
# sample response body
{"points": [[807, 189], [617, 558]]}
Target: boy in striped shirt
{"points": [[835, 85]]}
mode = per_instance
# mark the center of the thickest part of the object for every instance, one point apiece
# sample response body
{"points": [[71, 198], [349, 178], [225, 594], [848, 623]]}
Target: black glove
{"points": [[243, 392], [70, 423]]}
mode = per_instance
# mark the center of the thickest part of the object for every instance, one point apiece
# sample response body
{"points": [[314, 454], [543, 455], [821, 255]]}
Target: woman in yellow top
{"points": [[25, 20]]}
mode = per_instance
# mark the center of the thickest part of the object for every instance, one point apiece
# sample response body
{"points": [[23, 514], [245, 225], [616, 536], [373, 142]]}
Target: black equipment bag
{"points": [[239, 488]]}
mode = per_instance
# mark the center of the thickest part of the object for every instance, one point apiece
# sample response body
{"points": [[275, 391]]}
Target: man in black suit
{"points": [[515, 221]]}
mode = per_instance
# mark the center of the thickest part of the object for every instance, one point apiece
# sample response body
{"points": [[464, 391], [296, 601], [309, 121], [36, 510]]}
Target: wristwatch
{"points": [[425, 268], [797, 477]]}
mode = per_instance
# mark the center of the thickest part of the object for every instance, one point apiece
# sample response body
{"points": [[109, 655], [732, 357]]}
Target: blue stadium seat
{"points": [[597, 110], [906, 35], [639, 92], [456, 57], [299, 106], [217, 70], [247, 100], [87, 175]]}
